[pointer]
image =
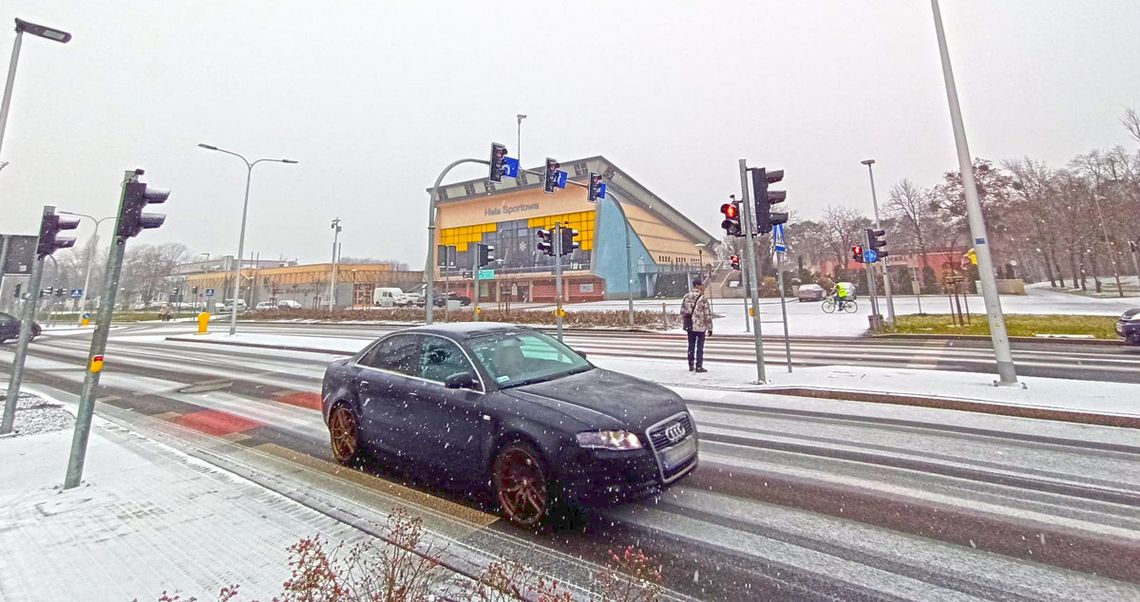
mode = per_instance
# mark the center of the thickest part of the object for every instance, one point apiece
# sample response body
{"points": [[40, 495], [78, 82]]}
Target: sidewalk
{"points": [[1106, 403], [147, 519]]}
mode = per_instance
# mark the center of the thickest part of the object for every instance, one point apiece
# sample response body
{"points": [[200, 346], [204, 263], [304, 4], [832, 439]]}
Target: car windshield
{"points": [[518, 358]]}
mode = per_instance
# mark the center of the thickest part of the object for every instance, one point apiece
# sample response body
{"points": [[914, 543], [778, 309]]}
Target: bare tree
{"points": [[1131, 122], [911, 207]]}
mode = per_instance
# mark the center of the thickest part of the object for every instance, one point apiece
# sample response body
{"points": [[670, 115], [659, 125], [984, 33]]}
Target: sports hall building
{"points": [[666, 248]]}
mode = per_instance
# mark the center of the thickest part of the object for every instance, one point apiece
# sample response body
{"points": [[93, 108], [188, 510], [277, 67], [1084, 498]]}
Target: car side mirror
{"points": [[460, 380]]}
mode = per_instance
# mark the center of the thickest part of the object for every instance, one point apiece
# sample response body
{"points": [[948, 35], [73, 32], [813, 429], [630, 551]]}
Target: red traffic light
{"points": [[729, 210]]}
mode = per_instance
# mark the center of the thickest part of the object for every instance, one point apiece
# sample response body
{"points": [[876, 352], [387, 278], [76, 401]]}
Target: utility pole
{"points": [[558, 277], [1007, 373], [751, 268]]}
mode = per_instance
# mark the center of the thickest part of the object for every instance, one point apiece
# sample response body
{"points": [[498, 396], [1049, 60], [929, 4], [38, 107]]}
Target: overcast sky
{"points": [[375, 98]]}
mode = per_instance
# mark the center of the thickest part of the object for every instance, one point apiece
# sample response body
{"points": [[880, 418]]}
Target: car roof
{"points": [[466, 330]]}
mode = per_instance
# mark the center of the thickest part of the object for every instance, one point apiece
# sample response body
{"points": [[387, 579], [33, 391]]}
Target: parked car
{"points": [[241, 305], [509, 408], [385, 296], [1128, 326], [288, 304], [265, 305], [451, 296], [810, 292], [410, 300], [10, 328]]}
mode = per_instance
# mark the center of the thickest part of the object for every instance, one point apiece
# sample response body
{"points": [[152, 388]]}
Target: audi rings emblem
{"points": [[675, 433]]}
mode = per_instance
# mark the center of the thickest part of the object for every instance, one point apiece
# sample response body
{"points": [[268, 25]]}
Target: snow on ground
{"points": [[147, 519], [1048, 393], [808, 319], [35, 414]]}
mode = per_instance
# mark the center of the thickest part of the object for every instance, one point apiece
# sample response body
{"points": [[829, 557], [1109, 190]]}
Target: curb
{"points": [[938, 403], [982, 337], [965, 405]]}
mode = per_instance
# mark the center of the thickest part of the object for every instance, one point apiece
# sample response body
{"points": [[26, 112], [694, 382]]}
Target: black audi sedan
{"points": [[1128, 326], [512, 409], [10, 327]]}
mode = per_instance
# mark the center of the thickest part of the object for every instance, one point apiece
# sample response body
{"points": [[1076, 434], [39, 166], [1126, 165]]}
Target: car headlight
{"points": [[615, 440]]}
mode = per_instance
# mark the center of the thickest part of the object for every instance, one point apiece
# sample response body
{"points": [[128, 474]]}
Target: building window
{"points": [[443, 193], [469, 188], [521, 180], [580, 169]]}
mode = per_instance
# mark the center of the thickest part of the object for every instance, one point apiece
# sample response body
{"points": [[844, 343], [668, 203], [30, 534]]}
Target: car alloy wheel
{"points": [[520, 485], [344, 432]]}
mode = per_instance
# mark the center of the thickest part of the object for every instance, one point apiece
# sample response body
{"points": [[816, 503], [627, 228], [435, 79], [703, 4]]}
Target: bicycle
{"points": [[831, 303]]}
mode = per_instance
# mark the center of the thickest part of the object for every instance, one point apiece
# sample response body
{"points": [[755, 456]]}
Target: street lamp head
{"points": [[868, 161], [521, 116], [288, 161], [42, 31], [208, 147]]}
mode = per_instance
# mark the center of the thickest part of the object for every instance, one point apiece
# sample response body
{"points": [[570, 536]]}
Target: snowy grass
{"points": [[36, 415], [1018, 325]]}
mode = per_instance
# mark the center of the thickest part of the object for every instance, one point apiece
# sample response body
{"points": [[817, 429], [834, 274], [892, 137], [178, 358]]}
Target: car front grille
{"points": [[666, 438]]}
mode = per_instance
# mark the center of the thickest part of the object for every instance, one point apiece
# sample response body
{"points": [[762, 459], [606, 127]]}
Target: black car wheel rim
{"points": [[343, 430], [521, 486]]}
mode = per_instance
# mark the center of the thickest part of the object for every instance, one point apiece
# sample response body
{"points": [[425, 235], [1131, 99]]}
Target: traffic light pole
{"points": [[558, 277], [1007, 374], [872, 293], [750, 265], [475, 280], [29, 313], [882, 261], [429, 265], [98, 346]]}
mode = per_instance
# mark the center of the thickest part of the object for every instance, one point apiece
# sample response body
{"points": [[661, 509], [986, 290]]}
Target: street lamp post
{"points": [[518, 140], [241, 238], [429, 265], [332, 267], [37, 30], [882, 263], [90, 258], [1007, 374]]}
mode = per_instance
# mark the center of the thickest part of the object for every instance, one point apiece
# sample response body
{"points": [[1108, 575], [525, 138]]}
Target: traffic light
{"points": [[568, 242], [58, 292], [50, 226], [486, 254], [875, 242], [734, 262], [19, 286], [498, 161], [132, 220], [175, 291], [764, 198], [596, 189], [551, 181], [194, 290], [545, 242], [857, 253], [731, 223]]}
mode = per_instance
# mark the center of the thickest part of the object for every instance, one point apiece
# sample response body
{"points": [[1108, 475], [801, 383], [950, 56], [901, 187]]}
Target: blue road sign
{"points": [[209, 292], [778, 238], [76, 293], [510, 167], [561, 179], [870, 256], [602, 190]]}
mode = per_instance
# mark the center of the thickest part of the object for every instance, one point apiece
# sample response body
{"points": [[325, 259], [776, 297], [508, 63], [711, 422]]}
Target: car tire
{"points": [[344, 435], [1133, 339], [524, 492]]}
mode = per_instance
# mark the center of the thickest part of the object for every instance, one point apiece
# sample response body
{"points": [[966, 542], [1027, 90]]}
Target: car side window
{"points": [[400, 353], [441, 358]]}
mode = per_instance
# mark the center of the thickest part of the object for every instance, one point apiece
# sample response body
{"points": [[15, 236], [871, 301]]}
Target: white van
{"points": [[386, 296]]}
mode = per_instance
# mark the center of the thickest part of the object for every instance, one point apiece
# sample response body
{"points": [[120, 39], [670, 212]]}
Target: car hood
{"points": [[631, 402]]}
